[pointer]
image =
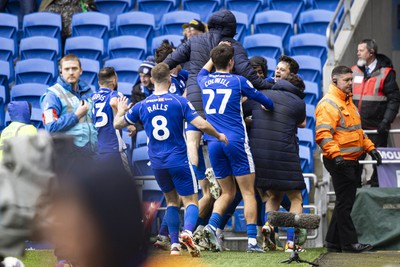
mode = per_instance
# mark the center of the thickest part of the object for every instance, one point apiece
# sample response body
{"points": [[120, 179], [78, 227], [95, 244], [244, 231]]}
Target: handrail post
{"points": [[347, 21]]}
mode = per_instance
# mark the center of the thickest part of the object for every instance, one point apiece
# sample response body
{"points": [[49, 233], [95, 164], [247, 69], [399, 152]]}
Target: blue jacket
{"points": [[196, 51], [59, 120], [273, 139]]}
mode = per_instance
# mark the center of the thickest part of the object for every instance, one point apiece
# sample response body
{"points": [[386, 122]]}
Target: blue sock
{"points": [[191, 215], [172, 218], [290, 234], [252, 230], [215, 220], [164, 226]]}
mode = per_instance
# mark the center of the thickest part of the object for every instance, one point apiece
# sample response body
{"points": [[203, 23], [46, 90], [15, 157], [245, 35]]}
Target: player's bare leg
{"points": [[193, 142]]}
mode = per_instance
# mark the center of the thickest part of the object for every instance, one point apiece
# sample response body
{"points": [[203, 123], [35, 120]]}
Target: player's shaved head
{"points": [[160, 73], [221, 55]]}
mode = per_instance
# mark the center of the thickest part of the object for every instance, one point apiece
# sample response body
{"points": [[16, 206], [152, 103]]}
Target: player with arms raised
{"points": [[222, 95], [163, 116]]}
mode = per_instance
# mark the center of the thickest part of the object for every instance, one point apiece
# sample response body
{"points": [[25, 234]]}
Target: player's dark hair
{"points": [[293, 65], [371, 45], [221, 55], [296, 81], [69, 57], [106, 76], [340, 70], [163, 51], [160, 73]]}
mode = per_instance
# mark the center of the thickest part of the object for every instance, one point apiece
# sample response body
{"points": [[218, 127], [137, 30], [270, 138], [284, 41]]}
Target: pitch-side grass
{"points": [[45, 258]]}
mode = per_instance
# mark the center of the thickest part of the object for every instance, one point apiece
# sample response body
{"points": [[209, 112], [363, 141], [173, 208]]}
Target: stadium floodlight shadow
{"points": [[287, 219]]}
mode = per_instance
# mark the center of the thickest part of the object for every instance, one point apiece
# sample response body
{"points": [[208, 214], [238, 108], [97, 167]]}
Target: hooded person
{"points": [[260, 66], [20, 115]]}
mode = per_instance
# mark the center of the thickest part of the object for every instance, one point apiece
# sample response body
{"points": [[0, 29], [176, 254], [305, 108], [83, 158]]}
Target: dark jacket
{"points": [[273, 139], [373, 112], [222, 27]]}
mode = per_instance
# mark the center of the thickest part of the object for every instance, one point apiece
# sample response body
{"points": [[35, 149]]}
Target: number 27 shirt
{"points": [[163, 119]]}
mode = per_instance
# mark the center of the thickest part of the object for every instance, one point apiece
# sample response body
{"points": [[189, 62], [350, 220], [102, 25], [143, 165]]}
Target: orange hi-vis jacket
{"points": [[338, 127]]}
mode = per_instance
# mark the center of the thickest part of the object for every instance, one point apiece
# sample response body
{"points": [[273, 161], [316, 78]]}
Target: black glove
{"points": [[339, 162], [376, 156], [383, 127]]}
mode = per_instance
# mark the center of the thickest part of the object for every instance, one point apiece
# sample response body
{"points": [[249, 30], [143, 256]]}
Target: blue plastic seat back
{"points": [[250, 7], [271, 64], [275, 22], [306, 160], [5, 73], [126, 89], [140, 162], [295, 7], [136, 23], [90, 69], [126, 68], [157, 7], [310, 114], [127, 46], [7, 51], [2, 106], [94, 24], [113, 8], [203, 7], [242, 25], [171, 23], [9, 28], [330, 5], [39, 47], [141, 139], [263, 44], [176, 40], [30, 92], [36, 118], [85, 47], [310, 68], [306, 137], [309, 44], [315, 21], [42, 24], [312, 93], [35, 71]]}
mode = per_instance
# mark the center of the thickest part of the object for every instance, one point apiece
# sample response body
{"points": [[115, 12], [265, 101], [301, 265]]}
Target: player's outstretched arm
{"points": [[123, 107], [208, 66], [206, 127]]}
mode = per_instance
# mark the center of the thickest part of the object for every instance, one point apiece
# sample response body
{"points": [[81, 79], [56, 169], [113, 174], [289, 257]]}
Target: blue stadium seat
{"points": [[140, 160], [263, 44], [306, 159], [157, 7], [309, 44], [175, 40], [243, 28], [85, 47], [127, 46], [39, 47], [141, 139], [275, 22], [90, 69], [93, 24], [310, 68], [295, 7], [36, 118], [310, 115], [271, 62], [330, 5], [315, 21], [312, 93], [127, 140], [7, 52], [136, 23], [250, 7], [5, 74], [43, 24], [2, 105], [9, 28], [35, 71], [13, 7], [126, 68], [113, 8], [30, 92], [171, 23], [203, 7], [126, 89], [306, 138]]}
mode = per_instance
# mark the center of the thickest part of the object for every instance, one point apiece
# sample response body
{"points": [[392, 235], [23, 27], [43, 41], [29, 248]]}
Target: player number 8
{"points": [[160, 125]]}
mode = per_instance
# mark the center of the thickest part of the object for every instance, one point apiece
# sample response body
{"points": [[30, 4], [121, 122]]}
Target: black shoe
{"points": [[356, 248], [333, 247]]}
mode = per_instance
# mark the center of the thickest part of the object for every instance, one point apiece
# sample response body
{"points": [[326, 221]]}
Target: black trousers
{"points": [[341, 229], [379, 140]]}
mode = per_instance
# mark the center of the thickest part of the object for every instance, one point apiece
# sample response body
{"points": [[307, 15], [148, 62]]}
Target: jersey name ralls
{"points": [[216, 80], [162, 107]]}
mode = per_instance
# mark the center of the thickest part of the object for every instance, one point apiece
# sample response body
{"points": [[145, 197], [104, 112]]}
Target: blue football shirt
{"points": [[163, 119], [109, 139], [178, 82], [222, 94]]}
